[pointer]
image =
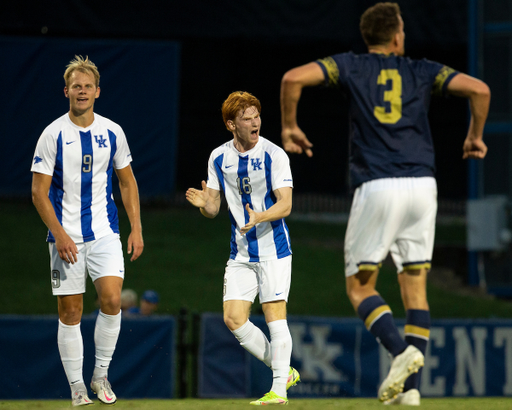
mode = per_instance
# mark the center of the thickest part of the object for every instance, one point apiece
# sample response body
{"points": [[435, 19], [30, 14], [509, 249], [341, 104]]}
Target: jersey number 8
{"points": [[393, 96]]}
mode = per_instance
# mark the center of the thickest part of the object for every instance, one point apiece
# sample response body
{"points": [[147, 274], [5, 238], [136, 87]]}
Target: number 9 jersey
{"points": [[250, 178], [389, 130], [81, 162]]}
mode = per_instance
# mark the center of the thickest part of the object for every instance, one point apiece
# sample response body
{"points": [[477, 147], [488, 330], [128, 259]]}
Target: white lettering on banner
{"points": [[438, 387], [503, 338], [469, 363], [317, 357], [317, 389]]}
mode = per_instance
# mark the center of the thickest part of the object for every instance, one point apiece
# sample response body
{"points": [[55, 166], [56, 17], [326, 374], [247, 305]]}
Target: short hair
{"points": [[128, 297], [380, 23], [236, 101], [83, 65]]}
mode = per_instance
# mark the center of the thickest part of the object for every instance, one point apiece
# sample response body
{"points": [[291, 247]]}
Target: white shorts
{"points": [[243, 280], [394, 215], [98, 258]]}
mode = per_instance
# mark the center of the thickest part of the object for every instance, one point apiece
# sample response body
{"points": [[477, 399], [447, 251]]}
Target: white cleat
{"points": [[409, 398], [103, 389], [80, 398], [403, 365]]}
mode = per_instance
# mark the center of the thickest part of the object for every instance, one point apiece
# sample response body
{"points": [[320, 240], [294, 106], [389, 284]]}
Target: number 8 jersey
{"points": [[81, 161], [250, 178], [389, 129]]}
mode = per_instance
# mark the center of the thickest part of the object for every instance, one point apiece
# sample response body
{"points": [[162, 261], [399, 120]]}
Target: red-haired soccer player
{"points": [[257, 182]]}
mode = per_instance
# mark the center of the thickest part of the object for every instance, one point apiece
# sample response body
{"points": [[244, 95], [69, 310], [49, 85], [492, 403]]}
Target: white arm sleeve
{"points": [[123, 156], [45, 154], [281, 171], [213, 178]]}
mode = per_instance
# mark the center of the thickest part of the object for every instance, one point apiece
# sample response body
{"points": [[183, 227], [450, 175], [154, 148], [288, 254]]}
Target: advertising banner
{"points": [[340, 358]]}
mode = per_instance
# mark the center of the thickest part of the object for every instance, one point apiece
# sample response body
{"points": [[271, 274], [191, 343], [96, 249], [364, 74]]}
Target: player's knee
{"points": [[71, 315], [110, 304], [234, 322], [354, 294]]}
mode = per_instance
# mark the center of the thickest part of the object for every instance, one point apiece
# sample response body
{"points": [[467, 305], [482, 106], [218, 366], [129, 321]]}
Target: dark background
{"points": [[229, 45]]}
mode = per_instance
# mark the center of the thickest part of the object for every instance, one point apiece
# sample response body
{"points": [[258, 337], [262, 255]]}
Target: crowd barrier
{"points": [[336, 357], [340, 358], [142, 366]]}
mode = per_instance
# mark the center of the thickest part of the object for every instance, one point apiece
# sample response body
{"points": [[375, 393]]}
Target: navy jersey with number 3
{"points": [[389, 100]]}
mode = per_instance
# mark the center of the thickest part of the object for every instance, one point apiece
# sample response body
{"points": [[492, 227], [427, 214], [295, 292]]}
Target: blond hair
{"points": [[83, 65]]}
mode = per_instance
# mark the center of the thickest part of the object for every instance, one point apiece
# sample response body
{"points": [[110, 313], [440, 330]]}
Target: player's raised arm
{"points": [[479, 96], [206, 199], [294, 140]]}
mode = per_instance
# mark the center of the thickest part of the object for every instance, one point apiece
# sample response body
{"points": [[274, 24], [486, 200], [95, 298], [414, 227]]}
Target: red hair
{"points": [[238, 100]]}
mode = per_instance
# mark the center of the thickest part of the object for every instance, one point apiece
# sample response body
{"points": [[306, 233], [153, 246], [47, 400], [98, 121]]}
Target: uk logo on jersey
{"points": [[256, 164], [102, 142]]}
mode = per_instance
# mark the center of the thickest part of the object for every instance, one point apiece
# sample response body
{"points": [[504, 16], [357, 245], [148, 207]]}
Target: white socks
{"points": [[71, 349], [253, 340], [281, 347], [106, 334], [275, 354]]}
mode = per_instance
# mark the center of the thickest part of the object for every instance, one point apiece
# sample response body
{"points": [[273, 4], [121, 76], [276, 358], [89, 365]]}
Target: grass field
{"points": [[184, 260], [498, 403]]}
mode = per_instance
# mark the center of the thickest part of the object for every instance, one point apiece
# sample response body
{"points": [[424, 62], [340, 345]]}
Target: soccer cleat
{"points": [[403, 365], [80, 398], [269, 399], [293, 378], [103, 389], [409, 398]]}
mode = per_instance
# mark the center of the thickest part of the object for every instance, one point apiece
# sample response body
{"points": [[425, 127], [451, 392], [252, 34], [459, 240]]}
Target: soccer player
{"points": [[72, 192], [257, 182], [392, 170]]}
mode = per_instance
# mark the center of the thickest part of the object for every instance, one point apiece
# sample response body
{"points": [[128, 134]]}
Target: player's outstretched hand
{"points": [[135, 245], [253, 216], [197, 197], [475, 149], [295, 141]]}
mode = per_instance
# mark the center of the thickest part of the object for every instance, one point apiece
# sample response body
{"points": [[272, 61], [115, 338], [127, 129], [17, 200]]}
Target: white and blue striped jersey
{"points": [[81, 161], [250, 178]]}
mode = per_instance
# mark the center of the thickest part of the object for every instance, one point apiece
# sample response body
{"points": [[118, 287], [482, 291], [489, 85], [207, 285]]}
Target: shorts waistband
{"points": [[402, 183]]}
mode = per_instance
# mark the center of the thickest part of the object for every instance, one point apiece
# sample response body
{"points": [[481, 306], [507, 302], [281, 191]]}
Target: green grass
{"points": [[184, 260], [497, 403]]}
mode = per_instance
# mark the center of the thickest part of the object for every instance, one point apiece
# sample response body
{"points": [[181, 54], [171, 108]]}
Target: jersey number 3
{"points": [[393, 96]]}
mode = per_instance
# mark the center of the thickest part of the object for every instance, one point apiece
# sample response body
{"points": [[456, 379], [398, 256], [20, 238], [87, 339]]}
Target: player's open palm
{"points": [[253, 220], [197, 197], [295, 141]]}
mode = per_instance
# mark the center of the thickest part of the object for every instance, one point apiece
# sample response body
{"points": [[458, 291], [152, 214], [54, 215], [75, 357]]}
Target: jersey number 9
{"points": [[87, 161], [393, 96]]}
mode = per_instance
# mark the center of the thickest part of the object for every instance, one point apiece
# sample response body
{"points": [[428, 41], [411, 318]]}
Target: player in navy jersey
{"points": [[392, 171], [72, 191], [257, 182]]}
